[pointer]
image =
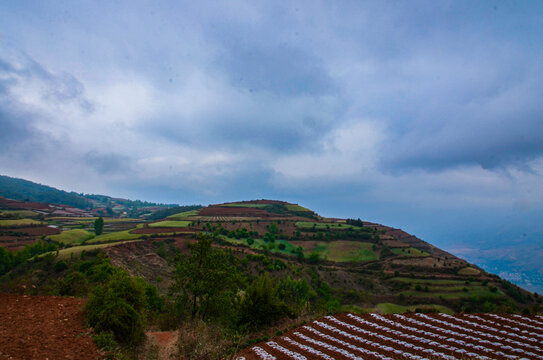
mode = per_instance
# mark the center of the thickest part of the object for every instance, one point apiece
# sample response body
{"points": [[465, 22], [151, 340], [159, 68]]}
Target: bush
{"points": [[73, 284], [105, 341], [117, 307], [314, 258], [60, 266]]}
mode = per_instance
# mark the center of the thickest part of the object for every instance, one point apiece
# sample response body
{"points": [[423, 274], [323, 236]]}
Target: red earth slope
{"points": [[44, 327]]}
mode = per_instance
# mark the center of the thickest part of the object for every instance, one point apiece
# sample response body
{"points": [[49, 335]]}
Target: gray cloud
{"points": [[107, 163]]}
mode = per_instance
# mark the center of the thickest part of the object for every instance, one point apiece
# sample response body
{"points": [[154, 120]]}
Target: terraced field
{"points": [[73, 236], [412, 336], [325, 226], [171, 223], [19, 222]]}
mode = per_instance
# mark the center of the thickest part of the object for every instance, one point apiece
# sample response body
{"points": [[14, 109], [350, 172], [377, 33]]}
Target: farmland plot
{"points": [[408, 336]]}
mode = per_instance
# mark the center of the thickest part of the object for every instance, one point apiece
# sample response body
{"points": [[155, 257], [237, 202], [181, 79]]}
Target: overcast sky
{"points": [[424, 115]]}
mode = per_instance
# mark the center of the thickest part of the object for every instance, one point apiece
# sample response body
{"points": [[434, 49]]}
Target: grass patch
{"points": [[76, 250], [170, 223], [342, 250], [443, 282], [355, 309], [72, 236], [183, 215], [296, 207], [452, 288], [410, 251], [472, 291], [389, 308], [19, 222], [114, 236], [260, 244], [346, 251], [324, 226], [468, 271], [91, 219]]}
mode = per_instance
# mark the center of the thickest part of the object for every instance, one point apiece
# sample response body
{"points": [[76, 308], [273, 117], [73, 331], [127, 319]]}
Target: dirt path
{"points": [[165, 342], [44, 327]]}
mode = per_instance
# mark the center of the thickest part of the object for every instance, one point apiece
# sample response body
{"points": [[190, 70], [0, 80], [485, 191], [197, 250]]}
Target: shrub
{"points": [[314, 258], [73, 284], [105, 341], [117, 307], [60, 266]]}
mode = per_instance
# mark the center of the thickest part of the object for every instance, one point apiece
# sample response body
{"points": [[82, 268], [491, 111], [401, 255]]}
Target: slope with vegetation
{"points": [[28, 191]]}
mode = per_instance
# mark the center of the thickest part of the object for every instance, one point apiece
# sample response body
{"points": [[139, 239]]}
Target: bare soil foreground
{"points": [[44, 327]]}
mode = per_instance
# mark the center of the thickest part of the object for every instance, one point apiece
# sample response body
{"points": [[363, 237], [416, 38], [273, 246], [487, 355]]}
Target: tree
{"points": [[206, 280], [261, 304], [99, 225]]}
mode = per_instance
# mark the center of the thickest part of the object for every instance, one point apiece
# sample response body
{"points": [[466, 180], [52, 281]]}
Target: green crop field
{"points": [[19, 222], [296, 207], [411, 251], [170, 223], [468, 271], [91, 219], [341, 250], [114, 236], [260, 244], [72, 236], [183, 215], [76, 250], [324, 226], [389, 308], [452, 288], [345, 251], [18, 213]]}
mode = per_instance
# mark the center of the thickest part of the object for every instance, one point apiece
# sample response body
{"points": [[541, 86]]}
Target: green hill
{"points": [[24, 190]]}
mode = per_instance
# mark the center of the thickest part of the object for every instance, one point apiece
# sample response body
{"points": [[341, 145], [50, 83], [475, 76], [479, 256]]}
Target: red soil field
{"points": [[263, 202], [19, 205], [33, 230], [31, 235], [232, 211], [44, 327], [16, 244]]}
